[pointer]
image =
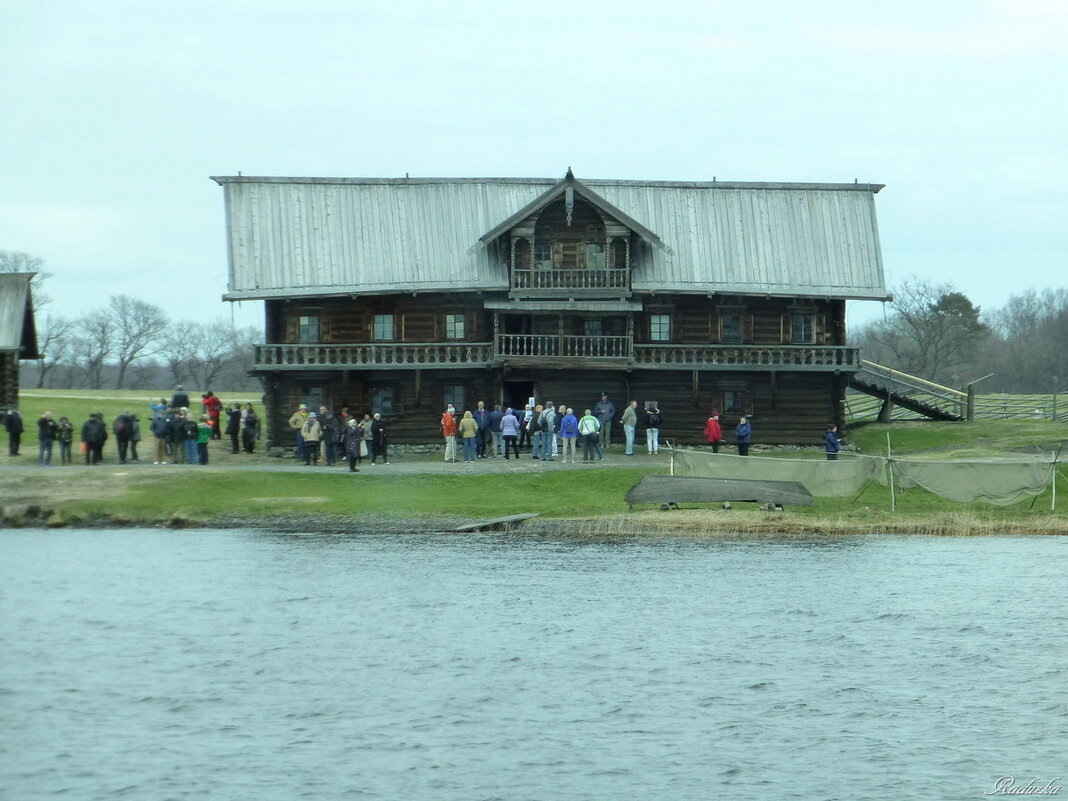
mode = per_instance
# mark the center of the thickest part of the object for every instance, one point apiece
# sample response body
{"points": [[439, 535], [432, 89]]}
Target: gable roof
{"points": [[307, 237], [18, 331], [583, 191]]}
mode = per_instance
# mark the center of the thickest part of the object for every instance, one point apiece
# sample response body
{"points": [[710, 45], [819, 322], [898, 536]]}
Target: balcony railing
{"points": [[382, 355], [580, 282], [753, 357], [555, 348], [519, 346]]}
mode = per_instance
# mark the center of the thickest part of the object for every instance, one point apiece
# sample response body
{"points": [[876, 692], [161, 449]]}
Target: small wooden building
{"points": [[18, 333], [401, 295]]}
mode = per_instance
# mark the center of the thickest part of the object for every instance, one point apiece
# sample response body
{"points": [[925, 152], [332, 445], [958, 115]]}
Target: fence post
{"points": [[970, 412]]}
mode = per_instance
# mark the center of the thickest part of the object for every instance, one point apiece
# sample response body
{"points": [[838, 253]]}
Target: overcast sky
{"points": [[116, 113]]}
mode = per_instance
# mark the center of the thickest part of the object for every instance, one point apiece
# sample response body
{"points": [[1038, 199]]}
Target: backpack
{"points": [[654, 421]]}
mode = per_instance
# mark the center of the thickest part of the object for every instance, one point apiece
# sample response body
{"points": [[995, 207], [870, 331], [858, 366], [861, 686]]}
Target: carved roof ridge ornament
{"points": [[569, 185], [569, 203]]}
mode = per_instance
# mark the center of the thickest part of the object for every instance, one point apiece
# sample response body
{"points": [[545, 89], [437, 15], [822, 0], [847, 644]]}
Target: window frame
{"points": [[392, 327], [656, 332], [451, 322], [378, 393], [803, 328], [302, 327], [451, 393], [732, 401], [723, 337]]}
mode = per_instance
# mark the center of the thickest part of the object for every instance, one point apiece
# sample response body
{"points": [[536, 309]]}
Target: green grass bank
{"points": [[261, 492]]}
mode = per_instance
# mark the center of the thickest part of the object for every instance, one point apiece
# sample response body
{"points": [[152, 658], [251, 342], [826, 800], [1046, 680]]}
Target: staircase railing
{"points": [[936, 396]]}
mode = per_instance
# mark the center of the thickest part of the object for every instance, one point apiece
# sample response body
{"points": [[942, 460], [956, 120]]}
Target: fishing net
{"points": [[996, 481], [822, 478]]}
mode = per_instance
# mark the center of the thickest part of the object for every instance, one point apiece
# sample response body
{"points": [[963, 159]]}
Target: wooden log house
{"points": [[18, 334], [402, 295]]}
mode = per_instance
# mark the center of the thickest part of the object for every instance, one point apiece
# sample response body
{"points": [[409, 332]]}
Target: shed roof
{"points": [[291, 237], [17, 329]]}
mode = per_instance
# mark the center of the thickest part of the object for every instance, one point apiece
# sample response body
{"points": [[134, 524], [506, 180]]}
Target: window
{"points": [[733, 401], [660, 327], [454, 326], [595, 256], [543, 255], [308, 329], [382, 400], [312, 398], [730, 331], [593, 328], [383, 327], [454, 394], [803, 329]]}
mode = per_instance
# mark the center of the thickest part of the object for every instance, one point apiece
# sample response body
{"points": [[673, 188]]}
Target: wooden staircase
{"points": [[911, 392]]}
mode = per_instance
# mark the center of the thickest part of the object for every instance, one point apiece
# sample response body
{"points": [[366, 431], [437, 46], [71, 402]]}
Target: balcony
{"points": [[555, 349], [388, 355], [549, 282], [537, 347], [747, 357]]}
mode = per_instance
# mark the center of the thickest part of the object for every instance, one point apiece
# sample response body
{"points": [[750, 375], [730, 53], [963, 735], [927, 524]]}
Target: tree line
{"points": [[934, 331], [130, 344]]}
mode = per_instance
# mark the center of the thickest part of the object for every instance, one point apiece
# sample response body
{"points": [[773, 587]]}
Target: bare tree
{"points": [[178, 350], [934, 330], [1031, 339], [214, 349], [53, 345], [139, 332], [15, 261], [95, 342]]}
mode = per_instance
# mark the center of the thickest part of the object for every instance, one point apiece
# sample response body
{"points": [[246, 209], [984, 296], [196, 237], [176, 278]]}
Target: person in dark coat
{"points": [[66, 437], [13, 424], [47, 431], [250, 429], [482, 419], [379, 441], [233, 426], [744, 435], [94, 435], [161, 430], [180, 399], [122, 428], [353, 440], [831, 443]]}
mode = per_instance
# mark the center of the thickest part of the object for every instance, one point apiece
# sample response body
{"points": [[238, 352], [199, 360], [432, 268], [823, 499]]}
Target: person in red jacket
{"points": [[713, 433], [448, 430], [212, 408]]}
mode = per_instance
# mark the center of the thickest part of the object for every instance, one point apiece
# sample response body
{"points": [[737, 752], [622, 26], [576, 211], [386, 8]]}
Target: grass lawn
{"points": [[78, 404], [200, 494]]}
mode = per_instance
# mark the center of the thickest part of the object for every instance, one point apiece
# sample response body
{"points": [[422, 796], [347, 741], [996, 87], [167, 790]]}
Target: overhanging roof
{"points": [[307, 237], [18, 331]]}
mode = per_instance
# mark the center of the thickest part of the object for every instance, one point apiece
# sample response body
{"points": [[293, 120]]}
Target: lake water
{"points": [[149, 664]]}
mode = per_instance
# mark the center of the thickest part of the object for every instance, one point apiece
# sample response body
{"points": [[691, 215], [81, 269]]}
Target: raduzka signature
{"points": [[1007, 785]]}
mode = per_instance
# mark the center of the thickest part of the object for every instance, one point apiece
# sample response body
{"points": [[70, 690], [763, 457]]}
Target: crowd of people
{"points": [[180, 436], [325, 436], [546, 432]]}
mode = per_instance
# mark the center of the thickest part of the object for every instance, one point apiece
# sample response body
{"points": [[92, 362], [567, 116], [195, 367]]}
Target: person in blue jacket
{"points": [[831, 442], [744, 435]]}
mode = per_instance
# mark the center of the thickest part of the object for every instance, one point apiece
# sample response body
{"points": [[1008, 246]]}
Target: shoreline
{"points": [[681, 523]]}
